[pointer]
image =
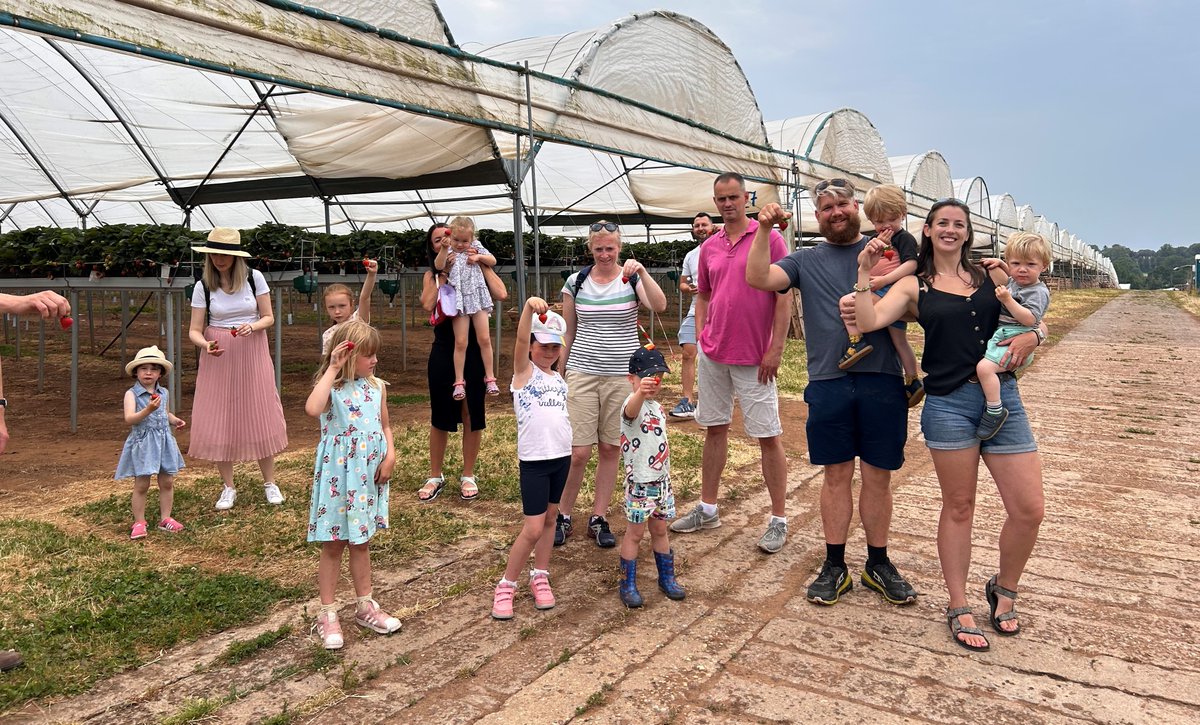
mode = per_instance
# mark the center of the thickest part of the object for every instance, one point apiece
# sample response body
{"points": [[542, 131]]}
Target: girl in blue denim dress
{"points": [[354, 461], [150, 449]]}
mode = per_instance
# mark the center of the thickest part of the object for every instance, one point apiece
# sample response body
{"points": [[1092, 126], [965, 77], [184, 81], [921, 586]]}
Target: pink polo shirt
{"points": [[737, 329]]}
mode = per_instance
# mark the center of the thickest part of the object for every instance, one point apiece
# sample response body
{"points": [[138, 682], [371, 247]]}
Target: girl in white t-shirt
{"points": [[236, 412], [543, 449], [339, 303]]}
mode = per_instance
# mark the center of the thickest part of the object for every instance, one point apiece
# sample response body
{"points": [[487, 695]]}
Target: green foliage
{"points": [[1152, 268]]}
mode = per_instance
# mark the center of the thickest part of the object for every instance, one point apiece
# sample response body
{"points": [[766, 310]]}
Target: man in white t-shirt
{"points": [[702, 228]]}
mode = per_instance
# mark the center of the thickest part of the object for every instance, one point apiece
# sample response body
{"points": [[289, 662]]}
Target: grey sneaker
{"points": [[830, 585], [694, 521], [773, 540], [685, 409], [989, 424]]}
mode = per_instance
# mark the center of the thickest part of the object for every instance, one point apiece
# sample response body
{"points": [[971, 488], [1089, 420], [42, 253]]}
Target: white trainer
{"points": [[271, 491], [228, 496]]}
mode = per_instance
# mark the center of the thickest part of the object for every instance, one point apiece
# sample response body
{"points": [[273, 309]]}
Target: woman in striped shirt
{"points": [[602, 318]]}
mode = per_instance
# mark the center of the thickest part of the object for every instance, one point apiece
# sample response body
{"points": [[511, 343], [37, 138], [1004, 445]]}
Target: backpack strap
{"points": [[208, 298]]}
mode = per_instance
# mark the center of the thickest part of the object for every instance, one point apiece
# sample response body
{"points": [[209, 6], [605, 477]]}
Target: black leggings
{"points": [[542, 484]]}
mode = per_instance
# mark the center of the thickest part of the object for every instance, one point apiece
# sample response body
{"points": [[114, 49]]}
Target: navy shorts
{"points": [[859, 415], [542, 484], [949, 421]]}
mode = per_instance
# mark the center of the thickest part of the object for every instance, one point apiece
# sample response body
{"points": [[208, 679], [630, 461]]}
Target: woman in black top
{"points": [[954, 300], [446, 413]]}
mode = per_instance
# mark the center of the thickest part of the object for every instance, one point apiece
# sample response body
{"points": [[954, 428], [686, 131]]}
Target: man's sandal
{"points": [[431, 489], [956, 629], [993, 591], [468, 490]]}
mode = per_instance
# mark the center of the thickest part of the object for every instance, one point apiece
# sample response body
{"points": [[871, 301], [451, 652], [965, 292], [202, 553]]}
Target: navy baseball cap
{"points": [[647, 361]]}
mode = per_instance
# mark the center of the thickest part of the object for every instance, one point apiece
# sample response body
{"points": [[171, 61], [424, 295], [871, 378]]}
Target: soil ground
{"points": [[1109, 635]]}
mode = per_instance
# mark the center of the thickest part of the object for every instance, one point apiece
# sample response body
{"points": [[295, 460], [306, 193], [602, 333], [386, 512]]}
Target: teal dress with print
{"points": [[347, 504]]}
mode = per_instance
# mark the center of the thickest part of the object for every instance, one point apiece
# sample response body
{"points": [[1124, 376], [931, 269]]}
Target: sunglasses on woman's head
{"points": [[606, 226]]}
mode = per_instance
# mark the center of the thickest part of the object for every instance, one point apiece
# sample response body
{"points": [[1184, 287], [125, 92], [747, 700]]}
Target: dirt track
{"points": [[1110, 628]]}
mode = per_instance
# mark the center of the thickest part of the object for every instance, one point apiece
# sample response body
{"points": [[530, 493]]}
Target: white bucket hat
{"points": [[149, 356], [223, 240]]}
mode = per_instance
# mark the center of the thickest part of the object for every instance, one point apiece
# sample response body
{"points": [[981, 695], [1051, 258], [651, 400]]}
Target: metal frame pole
{"points": [[537, 240], [74, 366], [278, 340], [41, 355]]}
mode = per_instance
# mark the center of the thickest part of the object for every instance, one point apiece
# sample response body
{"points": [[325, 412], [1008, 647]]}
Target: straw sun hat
{"points": [[149, 356], [223, 240]]}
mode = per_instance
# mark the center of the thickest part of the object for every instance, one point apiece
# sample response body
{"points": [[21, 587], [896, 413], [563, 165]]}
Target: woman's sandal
{"points": [[468, 490], [460, 390], [993, 591], [492, 388], [431, 489], [956, 629]]}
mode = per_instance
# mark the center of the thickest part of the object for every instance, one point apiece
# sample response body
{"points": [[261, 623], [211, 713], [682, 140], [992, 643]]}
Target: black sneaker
{"points": [[830, 584], [562, 529], [599, 528], [989, 424], [884, 579]]}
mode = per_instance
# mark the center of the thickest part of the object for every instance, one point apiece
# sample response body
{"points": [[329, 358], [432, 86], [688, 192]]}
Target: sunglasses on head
{"points": [[606, 226], [839, 183]]}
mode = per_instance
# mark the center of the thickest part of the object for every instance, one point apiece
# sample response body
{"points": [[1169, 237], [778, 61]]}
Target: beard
{"points": [[848, 235]]}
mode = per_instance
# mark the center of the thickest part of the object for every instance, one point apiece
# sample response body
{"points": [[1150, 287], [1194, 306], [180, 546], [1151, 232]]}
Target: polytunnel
{"points": [[1004, 214], [1026, 218], [926, 178], [974, 193]]}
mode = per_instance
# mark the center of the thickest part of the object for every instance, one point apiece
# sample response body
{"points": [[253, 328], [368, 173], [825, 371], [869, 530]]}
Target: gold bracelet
{"points": [[862, 288]]}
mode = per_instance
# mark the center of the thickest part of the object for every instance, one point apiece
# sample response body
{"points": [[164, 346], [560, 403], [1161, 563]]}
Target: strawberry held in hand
{"points": [[349, 345], [66, 322], [889, 253], [542, 317], [233, 331]]}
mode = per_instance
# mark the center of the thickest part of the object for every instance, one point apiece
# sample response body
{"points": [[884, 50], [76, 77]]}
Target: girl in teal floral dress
{"points": [[350, 479]]}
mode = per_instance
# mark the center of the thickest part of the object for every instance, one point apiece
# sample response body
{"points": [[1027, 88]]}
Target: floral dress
{"points": [[347, 504], [471, 293], [150, 448]]}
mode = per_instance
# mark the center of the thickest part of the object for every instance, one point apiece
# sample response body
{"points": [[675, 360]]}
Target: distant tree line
{"points": [[1153, 268]]}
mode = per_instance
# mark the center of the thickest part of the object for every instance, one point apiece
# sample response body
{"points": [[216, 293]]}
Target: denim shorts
{"points": [[687, 331], [859, 415], [948, 422]]}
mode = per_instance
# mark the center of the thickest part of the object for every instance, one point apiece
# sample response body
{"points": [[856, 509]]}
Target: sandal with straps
{"points": [[460, 390], [956, 629], [993, 591], [468, 489], [491, 387], [431, 489]]}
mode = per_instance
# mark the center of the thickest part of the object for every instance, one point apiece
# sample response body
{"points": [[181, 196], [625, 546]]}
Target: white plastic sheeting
{"points": [[1026, 218], [840, 141], [974, 193]]}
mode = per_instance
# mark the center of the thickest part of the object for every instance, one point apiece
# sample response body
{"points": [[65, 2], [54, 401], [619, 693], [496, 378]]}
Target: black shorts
{"points": [[542, 484], [859, 415]]}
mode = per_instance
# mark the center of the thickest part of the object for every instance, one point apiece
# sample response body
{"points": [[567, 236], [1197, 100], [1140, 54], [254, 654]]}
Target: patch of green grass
{"points": [[245, 649], [301, 367], [596, 699], [283, 717], [80, 609], [194, 709], [408, 399], [793, 371], [320, 659], [561, 659]]}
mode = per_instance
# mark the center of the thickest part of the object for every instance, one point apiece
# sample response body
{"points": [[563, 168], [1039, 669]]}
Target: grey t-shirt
{"points": [[690, 262], [1035, 298], [823, 274]]}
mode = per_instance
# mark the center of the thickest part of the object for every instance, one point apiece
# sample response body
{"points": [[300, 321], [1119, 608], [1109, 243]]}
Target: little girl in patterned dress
{"points": [[150, 448], [473, 301], [350, 478]]}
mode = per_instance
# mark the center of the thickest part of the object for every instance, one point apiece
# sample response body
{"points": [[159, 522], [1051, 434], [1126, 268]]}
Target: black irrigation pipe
{"points": [[127, 324]]}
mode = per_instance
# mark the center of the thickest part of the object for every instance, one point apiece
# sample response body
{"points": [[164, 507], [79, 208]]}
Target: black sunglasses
{"points": [[839, 183], [606, 226]]}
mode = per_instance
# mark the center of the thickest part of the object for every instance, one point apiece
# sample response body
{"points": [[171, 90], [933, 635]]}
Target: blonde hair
{"points": [[366, 341], [884, 203], [1028, 245], [338, 289], [237, 273], [592, 236], [463, 222]]}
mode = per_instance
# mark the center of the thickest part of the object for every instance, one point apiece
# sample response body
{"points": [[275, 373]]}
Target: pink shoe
{"points": [[492, 388], [170, 524], [502, 600], [329, 629], [369, 615], [543, 598], [460, 390], [139, 530]]}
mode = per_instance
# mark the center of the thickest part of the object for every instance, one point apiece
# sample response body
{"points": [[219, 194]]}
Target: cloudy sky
{"points": [[1089, 111]]}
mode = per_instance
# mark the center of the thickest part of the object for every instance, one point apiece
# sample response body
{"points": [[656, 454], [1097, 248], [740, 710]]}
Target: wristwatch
{"points": [[1041, 336], [4, 403]]}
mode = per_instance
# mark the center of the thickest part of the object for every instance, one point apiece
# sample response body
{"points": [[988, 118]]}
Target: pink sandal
{"points": [[139, 530], [492, 388], [460, 390]]}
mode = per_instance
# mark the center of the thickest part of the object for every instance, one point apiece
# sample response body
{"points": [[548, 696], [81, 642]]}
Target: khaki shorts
{"points": [[594, 407], [719, 384]]}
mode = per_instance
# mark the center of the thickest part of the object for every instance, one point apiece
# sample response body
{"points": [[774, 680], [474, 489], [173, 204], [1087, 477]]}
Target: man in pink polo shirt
{"points": [[740, 333]]}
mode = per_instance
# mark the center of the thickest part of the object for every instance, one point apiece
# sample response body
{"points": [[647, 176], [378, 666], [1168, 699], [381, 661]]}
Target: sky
{"points": [[1088, 111]]}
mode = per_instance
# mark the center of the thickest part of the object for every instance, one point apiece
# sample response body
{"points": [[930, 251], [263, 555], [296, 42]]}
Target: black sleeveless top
{"points": [[957, 330]]}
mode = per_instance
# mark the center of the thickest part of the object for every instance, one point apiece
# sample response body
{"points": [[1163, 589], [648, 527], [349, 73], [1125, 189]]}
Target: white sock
{"points": [[777, 519], [505, 581], [708, 508], [534, 572]]}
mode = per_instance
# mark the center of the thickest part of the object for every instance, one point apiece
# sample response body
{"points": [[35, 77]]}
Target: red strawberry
{"points": [[624, 279], [349, 345], [212, 345], [154, 397], [889, 253], [783, 225], [367, 264], [233, 330], [66, 322], [542, 317]]}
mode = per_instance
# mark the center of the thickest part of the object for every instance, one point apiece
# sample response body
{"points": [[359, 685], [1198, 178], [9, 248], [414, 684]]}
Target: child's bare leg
{"points": [[360, 569], [141, 484], [632, 540], [851, 329], [461, 328], [532, 533], [658, 536], [166, 495], [988, 373], [329, 568], [484, 338], [908, 358]]}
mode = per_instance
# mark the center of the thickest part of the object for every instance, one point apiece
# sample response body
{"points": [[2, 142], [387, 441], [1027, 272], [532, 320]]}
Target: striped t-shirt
{"points": [[605, 326]]}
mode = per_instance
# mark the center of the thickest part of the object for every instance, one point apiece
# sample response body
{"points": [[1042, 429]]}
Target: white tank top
{"points": [[543, 429]]}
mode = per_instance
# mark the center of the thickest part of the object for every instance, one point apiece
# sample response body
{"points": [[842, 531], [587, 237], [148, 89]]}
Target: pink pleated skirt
{"points": [[236, 411]]}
